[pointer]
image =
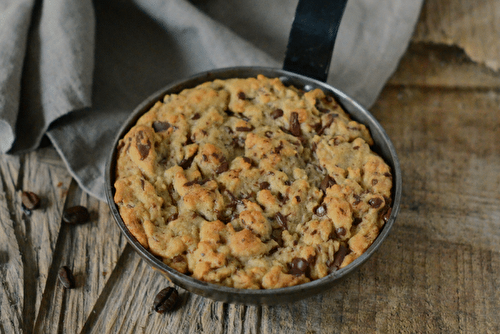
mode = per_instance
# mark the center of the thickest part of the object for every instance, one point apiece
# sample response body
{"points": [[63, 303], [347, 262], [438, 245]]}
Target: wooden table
{"points": [[438, 271]]}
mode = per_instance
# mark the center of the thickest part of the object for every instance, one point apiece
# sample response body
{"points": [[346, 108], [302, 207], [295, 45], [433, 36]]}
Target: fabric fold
{"points": [[15, 18], [57, 75]]}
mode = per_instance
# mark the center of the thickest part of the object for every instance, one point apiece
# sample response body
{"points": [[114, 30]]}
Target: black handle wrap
{"points": [[312, 37]]}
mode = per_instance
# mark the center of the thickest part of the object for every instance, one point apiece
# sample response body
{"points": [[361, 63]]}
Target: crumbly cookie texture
{"points": [[251, 184]]}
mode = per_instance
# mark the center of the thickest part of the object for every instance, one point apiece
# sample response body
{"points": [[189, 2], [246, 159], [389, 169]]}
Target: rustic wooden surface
{"points": [[438, 271]]}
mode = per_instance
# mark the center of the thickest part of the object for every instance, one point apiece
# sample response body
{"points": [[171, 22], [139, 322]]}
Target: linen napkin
{"points": [[73, 70]]}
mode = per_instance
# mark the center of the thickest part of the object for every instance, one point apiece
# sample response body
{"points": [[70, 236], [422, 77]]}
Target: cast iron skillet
{"points": [[306, 64]]}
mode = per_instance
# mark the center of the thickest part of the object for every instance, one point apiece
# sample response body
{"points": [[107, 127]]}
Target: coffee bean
{"points": [[224, 167], [165, 300], [30, 200], [66, 277], [76, 215]]}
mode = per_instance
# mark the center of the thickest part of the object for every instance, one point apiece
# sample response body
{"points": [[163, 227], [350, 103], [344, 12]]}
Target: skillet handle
{"points": [[312, 37]]}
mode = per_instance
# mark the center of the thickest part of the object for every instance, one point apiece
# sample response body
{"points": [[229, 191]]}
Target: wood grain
{"points": [[473, 26]]}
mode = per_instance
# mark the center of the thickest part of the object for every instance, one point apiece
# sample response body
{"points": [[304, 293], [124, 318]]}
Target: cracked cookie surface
{"points": [[251, 184]]}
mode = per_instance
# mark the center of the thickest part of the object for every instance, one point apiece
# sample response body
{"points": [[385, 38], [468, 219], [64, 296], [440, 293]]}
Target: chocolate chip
{"points": [[374, 182], [387, 174], [281, 220], [186, 163], [277, 113], [328, 99], [178, 258], [269, 134], [76, 215], [338, 258], [357, 199], [357, 221], [340, 231], [66, 277], [143, 148], [165, 300], [223, 167], [298, 267], [387, 215], [142, 184], [195, 117], [30, 200], [282, 198], [328, 122], [297, 198], [294, 124], [375, 202], [355, 148], [288, 183], [320, 210], [320, 107], [172, 217], [159, 126], [278, 149], [244, 128], [327, 183], [277, 236], [264, 185], [242, 96]]}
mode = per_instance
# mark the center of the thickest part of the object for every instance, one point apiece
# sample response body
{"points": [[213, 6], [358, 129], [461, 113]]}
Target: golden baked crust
{"points": [[251, 184]]}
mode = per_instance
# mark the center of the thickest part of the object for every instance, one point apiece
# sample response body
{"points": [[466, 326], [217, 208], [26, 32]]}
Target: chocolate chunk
{"points": [[76, 215], [375, 202], [66, 277], [172, 217], [357, 199], [223, 167], [30, 200], [288, 183], [281, 220], [320, 210], [277, 236], [159, 126], [338, 258], [356, 221], [244, 128], [329, 122], [264, 185], [387, 174], [297, 198], [298, 267], [327, 183], [143, 148], [294, 124], [241, 96], [281, 198], [269, 134], [277, 113], [355, 148], [320, 107], [186, 163], [387, 215], [165, 300], [196, 116]]}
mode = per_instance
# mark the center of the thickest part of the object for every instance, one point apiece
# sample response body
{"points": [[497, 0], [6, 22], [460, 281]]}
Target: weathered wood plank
{"points": [[473, 26], [90, 251], [436, 66]]}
